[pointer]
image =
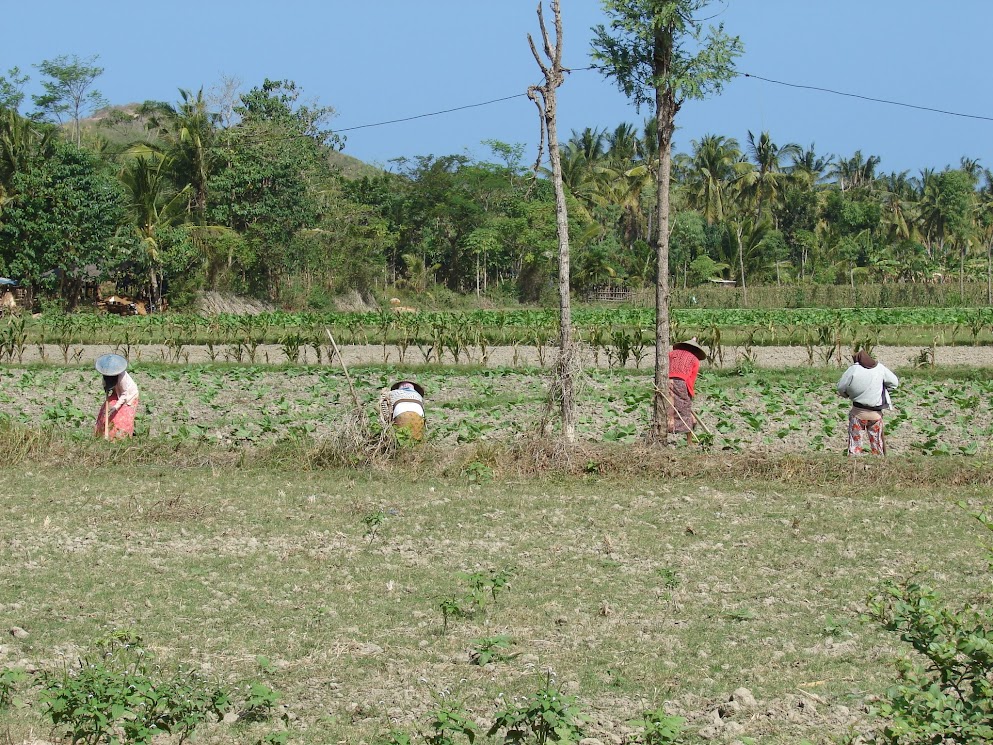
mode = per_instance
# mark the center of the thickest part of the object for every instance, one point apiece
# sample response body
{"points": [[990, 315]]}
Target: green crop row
{"points": [[455, 331]]}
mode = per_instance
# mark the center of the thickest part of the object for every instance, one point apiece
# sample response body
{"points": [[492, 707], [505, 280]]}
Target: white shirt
{"points": [[403, 401], [866, 385], [126, 390]]}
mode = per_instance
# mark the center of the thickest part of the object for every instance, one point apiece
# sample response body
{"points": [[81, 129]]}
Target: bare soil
{"points": [[518, 357]]}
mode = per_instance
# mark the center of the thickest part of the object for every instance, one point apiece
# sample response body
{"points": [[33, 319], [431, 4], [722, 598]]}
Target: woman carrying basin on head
{"points": [[116, 416]]}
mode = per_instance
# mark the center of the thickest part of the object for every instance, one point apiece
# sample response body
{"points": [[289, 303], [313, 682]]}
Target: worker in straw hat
{"points": [[116, 416], [684, 364], [403, 407]]}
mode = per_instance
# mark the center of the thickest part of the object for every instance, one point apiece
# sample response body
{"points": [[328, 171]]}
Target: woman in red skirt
{"points": [[116, 417]]}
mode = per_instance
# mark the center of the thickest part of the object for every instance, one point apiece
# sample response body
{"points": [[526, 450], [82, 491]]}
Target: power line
{"points": [[449, 111], [870, 98], [433, 113]]}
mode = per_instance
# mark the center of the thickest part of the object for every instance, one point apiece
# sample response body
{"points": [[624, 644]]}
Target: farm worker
{"points": [[867, 383], [116, 416], [684, 364], [403, 407]]}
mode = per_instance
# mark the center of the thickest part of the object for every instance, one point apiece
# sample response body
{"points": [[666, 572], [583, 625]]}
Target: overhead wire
{"points": [[801, 86], [868, 98]]}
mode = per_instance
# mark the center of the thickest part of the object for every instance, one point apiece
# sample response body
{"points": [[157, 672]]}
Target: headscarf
{"points": [[863, 359]]}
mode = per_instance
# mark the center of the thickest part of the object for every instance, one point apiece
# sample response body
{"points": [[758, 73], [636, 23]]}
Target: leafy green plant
{"points": [[119, 697], [448, 722], [656, 727], [11, 679], [477, 472], [372, 521], [946, 694], [259, 703], [450, 608], [491, 649], [547, 715]]}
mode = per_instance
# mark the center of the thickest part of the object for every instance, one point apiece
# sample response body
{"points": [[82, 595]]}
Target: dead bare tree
{"points": [[544, 98]]}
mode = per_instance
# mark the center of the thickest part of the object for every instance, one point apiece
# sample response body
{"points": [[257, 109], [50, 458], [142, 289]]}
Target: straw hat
{"points": [[417, 386], [693, 347], [111, 364]]}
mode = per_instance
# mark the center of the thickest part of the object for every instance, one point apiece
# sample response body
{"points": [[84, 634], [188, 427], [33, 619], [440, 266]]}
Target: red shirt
{"points": [[685, 366]]}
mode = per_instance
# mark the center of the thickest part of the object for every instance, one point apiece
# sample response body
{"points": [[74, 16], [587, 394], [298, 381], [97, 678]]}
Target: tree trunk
{"points": [[741, 266], [547, 105], [665, 112]]}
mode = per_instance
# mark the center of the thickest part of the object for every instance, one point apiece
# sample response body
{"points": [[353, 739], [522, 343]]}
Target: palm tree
{"points": [[898, 199], [21, 142], [154, 205], [623, 145], [856, 172], [188, 131], [808, 168], [770, 176], [984, 227], [712, 168]]}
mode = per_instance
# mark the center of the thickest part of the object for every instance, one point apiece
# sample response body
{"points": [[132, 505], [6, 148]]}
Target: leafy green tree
{"points": [[12, 89], [64, 219], [271, 169], [69, 89], [22, 142], [188, 130], [687, 243], [154, 206], [658, 54]]}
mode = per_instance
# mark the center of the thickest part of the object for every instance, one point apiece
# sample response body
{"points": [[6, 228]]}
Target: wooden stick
{"points": [[700, 422], [106, 415], [689, 429], [355, 398]]}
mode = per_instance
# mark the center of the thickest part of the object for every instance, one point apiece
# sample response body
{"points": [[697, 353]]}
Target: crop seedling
{"points": [[448, 723], [450, 608], [491, 649], [11, 679], [119, 697], [656, 727], [372, 521], [545, 716]]}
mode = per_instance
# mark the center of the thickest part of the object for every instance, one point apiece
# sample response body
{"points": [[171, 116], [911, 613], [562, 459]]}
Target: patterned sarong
{"points": [[121, 424], [681, 422], [412, 422], [872, 428]]}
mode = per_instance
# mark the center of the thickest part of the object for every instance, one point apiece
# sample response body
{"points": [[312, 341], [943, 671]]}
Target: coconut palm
{"points": [[712, 168], [187, 130], [154, 205], [856, 172], [21, 142], [769, 175], [808, 168]]}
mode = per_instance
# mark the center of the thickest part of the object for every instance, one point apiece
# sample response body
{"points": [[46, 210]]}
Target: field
{"points": [[330, 589], [249, 541], [939, 410]]}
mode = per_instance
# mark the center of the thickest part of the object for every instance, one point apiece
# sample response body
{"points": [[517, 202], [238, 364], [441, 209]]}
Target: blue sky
{"points": [[388, 59]]}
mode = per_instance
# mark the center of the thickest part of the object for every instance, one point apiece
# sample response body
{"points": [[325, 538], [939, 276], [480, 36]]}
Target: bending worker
{"points": [[116, 416], [684, 364], [403, 406], [867, 383]]}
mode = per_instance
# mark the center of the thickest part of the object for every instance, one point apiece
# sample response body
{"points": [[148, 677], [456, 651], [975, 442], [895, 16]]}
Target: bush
{"points": [[948, 697]]}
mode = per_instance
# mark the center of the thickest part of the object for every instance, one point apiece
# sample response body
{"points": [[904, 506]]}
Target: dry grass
{"points": [[674, 579], [353, 445]]}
